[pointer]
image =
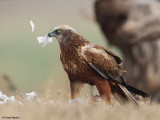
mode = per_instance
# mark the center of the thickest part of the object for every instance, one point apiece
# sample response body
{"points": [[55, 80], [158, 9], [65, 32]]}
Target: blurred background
{"points": [[134, 27], [23, 61]]}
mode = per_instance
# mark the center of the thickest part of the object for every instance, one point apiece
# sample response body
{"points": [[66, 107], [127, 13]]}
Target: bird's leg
{"points": [[75, 89], [104, 91]]}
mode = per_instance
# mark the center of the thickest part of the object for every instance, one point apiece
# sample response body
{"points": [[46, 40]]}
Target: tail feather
{"points": [[121, 91], [134, 90], [128, 95], [137, 91], [121, 94]]}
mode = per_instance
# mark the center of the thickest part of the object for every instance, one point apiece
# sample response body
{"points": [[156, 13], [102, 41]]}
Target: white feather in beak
{"points": [[44, 40]]}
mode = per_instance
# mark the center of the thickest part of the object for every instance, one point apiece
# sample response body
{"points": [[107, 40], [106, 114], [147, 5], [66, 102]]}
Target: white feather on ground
{"points": [[78, 100], [4, 99], [30, 96]]}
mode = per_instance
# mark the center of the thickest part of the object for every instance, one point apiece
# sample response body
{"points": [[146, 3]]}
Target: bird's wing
{"points": [[118, 59], [103, 62]]}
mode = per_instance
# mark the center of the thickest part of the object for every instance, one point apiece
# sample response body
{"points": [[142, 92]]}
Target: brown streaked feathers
{"points": [[89, 63]]}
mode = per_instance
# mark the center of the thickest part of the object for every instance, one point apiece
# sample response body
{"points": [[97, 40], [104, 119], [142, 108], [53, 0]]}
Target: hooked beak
{"points": [[51, 34]]}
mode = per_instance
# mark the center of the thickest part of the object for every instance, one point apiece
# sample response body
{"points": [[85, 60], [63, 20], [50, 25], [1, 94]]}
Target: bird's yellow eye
{"points": [[59, 31]]}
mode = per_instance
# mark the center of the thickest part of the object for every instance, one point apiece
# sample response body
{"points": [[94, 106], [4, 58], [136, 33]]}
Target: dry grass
{"points": [[60, 109], [65, 111]]}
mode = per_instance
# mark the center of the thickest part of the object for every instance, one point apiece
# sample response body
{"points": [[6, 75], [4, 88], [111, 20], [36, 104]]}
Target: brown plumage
{"points": [[89, 63]]}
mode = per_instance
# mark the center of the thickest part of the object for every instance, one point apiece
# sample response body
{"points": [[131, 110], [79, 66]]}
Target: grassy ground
{"points": [[53, 104], [79, 112], [60, 109]]}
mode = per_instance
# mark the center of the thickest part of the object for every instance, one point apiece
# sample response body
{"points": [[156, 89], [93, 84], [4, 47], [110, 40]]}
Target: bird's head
{"points": [[62, 33]]}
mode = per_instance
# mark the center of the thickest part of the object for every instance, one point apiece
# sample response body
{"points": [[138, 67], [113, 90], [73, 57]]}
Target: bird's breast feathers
{"points": [[72, 62]]}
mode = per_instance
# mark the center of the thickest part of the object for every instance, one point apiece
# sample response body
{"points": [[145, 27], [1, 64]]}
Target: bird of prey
{"points": [[89, 63]]}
